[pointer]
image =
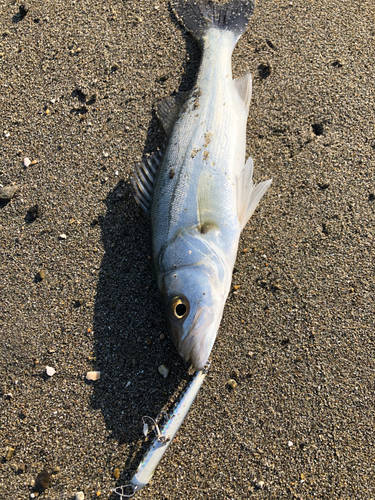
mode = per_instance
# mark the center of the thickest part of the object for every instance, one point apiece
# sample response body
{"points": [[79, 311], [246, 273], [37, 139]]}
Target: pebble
{"points": [[259, 484], [40, 275], [50, 371], [24, 9], [116, 473], [26, 162], [32, 213], [235, 373], [79, 495], [21, 468], [232, 384], [290, 444], [7, 192], [93, 375], [11, 451], [163, 370], [43, 480], [62, 236]]}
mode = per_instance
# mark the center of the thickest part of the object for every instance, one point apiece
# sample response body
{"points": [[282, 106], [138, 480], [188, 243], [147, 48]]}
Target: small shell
{"points": [[50, 371], [26, 162], [93, 375], [163, 370]]}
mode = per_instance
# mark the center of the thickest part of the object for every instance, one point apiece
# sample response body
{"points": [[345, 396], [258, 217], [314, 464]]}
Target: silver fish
{"points": [[200, 195]]}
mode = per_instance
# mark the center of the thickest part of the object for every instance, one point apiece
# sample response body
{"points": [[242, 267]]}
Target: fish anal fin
{"points": [[249, 195], [143, 180], [244, 87], [168, 110]]}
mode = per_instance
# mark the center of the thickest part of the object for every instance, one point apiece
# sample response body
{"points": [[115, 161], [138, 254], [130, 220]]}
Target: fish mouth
{"points": [[197, 344]]}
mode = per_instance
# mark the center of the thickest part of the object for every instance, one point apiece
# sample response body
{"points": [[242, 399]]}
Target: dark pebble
{"points": [[40, 275], [24, 9], [43, 480], [32, 213]]}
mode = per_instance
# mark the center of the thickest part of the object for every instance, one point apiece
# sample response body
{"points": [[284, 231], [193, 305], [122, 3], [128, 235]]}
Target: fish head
{"points": [[194, 297]]}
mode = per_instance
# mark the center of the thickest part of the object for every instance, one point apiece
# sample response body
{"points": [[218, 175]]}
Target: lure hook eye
{"points": [[178, 308]]}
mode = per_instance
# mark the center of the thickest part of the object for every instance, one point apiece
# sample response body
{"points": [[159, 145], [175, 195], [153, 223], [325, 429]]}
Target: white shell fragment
{"points": [[145, 429], [93, 375], [290, 444], [163, 370], [50, 371], [26, 162], [62, 236]]}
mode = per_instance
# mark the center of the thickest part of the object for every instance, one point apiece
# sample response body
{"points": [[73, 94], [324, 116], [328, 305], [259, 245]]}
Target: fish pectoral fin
{"points": [[248, 195], [143, 179], [244, 87], [168, 110]]}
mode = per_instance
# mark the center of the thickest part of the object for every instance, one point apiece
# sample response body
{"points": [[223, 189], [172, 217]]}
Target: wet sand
{"points": [[79, 81]]}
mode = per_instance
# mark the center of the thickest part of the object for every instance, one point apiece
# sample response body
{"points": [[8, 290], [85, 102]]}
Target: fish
{"points": [[199, 193]]}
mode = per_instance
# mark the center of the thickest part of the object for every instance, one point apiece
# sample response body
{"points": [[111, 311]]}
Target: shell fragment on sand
{"points": [[93, 375], [50, 371]]}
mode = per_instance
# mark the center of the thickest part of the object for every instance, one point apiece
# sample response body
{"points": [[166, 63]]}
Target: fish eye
{"points": [[178, 308]]}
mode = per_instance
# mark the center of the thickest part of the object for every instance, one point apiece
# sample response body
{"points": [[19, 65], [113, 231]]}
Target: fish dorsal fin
{"points": [[168, 110], [244, 87], [143, 179], [249, 195]]}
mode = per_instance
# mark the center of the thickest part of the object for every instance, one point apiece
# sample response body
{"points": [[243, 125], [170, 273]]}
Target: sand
{"points": [[79, 81]]}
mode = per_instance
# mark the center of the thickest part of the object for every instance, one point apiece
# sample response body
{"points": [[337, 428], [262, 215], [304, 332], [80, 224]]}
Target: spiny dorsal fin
{"points": [[168, 110], [143, 180], [248, 195], [244, 86]]}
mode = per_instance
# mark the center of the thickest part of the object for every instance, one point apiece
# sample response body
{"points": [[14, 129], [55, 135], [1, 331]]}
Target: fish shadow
{"points": [[129, 324], [130, 331]]}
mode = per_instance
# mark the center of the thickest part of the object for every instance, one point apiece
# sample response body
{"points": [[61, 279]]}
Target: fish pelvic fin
{"points": [[143, 180], [198, 16], [244, 87], [248, 194]]}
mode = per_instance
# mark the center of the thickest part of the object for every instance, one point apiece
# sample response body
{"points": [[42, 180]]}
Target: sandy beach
{"points": [[79, 81]]}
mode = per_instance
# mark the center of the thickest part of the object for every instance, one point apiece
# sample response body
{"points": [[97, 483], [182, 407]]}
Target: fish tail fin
{"points": [[198, 16]]}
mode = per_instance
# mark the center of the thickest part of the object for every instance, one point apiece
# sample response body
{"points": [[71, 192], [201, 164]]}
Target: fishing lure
{"points": [[164, 436]]}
